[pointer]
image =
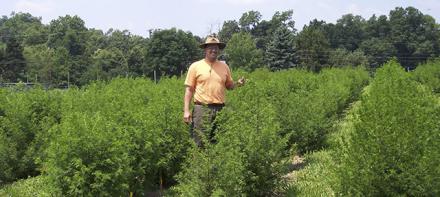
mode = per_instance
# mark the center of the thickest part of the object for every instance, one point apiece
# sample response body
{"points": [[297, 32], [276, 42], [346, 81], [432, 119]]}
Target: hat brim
{"points": [[221, 45]]}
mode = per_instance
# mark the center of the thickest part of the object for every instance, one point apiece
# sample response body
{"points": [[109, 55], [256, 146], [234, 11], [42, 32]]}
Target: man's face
{"points": [[211, 51]]}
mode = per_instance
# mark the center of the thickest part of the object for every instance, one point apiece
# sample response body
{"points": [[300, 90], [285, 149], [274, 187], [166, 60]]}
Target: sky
{"points": [[202, 17]]}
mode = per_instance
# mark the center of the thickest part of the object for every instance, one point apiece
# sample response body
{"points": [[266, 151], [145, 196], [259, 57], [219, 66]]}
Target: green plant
{"points": [[393, 148]]}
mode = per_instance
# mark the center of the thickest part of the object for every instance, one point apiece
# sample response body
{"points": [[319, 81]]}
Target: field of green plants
{"points": [[362, 134], [388, 144]]}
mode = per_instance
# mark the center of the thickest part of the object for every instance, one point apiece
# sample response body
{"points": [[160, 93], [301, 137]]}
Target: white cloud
{"points": [[32, 6]]}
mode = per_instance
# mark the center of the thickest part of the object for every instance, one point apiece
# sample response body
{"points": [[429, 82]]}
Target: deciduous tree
{"points": [[242, 52], [170, 52]]}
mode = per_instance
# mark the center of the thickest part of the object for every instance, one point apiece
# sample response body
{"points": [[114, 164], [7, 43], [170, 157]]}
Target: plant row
{"points": [[127, 135], [388, 144]]}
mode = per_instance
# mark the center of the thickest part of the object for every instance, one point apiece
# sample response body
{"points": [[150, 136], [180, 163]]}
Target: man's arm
{"points": [[189, 92]]}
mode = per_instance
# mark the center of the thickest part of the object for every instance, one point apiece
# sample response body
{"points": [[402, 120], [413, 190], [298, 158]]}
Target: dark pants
{"points": [[203, 127]]}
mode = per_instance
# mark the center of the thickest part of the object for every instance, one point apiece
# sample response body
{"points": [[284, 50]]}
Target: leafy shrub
{"points": [[25, 116], [429, 75], [89, 156], [393, 148], [126, 135], [320, 176], [120, 137], [34, 186], [248, 157], [387, 145], [308, 104]]}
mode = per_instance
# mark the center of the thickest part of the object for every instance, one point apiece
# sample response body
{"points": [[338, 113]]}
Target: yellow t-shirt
{"points": [[209, 81]]}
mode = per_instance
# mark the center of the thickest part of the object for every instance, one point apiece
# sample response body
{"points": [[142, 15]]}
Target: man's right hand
{"points": [[187, 118], [241, 81]]}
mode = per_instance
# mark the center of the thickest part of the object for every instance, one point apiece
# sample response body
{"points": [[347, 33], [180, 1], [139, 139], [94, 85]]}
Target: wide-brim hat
{"points": [[213, 40]]}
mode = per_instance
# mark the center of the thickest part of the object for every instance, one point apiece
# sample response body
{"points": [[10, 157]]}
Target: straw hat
{"points": [[212, 39]]}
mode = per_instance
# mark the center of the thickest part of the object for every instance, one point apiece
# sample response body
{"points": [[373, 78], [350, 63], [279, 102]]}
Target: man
{"points": [[207, 80]]}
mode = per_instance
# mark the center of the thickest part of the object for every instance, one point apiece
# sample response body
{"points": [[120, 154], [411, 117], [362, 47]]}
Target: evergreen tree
{"points": [[263, 32], [280, 53]]}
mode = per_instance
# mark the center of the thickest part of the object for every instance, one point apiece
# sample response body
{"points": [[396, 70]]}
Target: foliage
{"points": [[118, 137], [344, 58], [109, 139], [393, 147], [35, 186], [107, 64], [320, 173], [412, 34], [89, 156], [242, 53], [312, 48], [429, 75], [283, 19], [349, 32], [170, 52], [28, 30], [318, 178], [42, 65], [68, 32], [249, 20], [264, 31], [64, 52], [378, 50], [308, 104], [274, 115], [280, 53], [247, 159], [12, 64], [126, 135], [68, 36], [381, 148], [229, 28], [25, 117]]}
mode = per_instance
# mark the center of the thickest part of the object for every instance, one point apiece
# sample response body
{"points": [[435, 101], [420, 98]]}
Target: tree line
{"points": [[66, 52]]}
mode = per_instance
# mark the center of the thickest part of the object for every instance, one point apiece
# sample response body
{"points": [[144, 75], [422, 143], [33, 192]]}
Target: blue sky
{"points": [[202, 16]]}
